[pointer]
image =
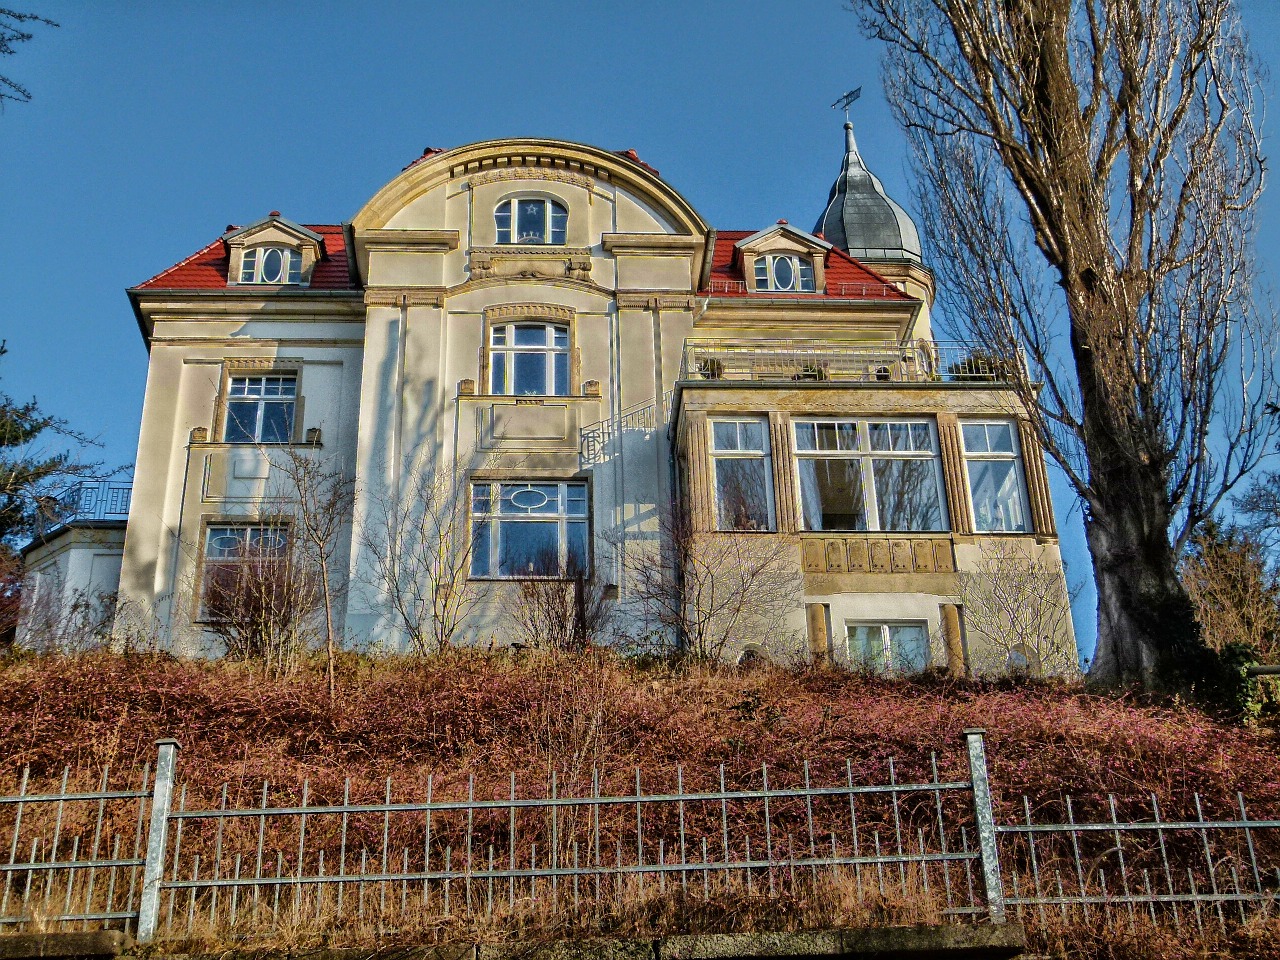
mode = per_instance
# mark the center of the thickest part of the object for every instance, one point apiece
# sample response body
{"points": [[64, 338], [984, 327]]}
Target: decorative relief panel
{"points": [[531, 262], [531, 173], [877, 555]]}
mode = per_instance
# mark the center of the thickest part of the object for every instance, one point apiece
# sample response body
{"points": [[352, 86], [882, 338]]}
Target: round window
{"points": [[272, 266], [529, 499], [784, 273]]}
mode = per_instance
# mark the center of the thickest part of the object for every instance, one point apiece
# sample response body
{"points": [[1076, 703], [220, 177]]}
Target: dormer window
{"points": [[531, 220], [784, 271], [271, 265]]}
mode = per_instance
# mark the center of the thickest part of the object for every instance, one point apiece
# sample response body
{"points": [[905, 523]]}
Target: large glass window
{"points": [[784, 272], [244, 571], [995, 477], [869, 475], [530, 220], [271, 265], [743, 482], [536, 529], [529, 359], [260, 409], [889, 647]]}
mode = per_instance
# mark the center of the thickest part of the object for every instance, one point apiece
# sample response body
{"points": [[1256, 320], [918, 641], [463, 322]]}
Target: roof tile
{"points": [[206, 269]]}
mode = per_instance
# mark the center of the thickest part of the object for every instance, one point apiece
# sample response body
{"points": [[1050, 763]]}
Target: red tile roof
{"points": [[846, 277], [207, 268]]}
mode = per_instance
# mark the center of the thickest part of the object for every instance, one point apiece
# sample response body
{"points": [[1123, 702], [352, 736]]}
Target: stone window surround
{"points": [[261, 240], [502, 314], [207, 520], [257, 366], [534, 475]]}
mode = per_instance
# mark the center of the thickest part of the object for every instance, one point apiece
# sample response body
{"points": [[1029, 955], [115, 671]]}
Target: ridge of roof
{"points": [[207, 268]]}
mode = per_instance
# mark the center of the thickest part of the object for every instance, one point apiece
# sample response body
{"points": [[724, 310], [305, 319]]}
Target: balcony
{"points": [[85, 502], [848, 361]]}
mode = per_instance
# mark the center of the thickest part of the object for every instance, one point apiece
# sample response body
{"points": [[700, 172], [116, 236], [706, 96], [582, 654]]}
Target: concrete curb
{"points": [[96, 943]]}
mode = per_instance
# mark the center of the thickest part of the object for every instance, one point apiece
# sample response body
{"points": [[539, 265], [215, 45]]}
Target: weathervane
{"points": [[846, 100]]}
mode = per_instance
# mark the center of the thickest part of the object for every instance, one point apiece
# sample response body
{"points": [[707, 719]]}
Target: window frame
{"points": [[888, 666], [252, 261], [763, 453], [765, 272], [1019, 469], [509, 350], [229, 397], [492, 517], [866, 457], [552, 236], [208, 563]]}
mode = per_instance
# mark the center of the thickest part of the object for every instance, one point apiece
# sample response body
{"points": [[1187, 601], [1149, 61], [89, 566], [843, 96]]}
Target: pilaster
{"points": [[784, 468], [702, 513], [953, 474], [1037, 480]]}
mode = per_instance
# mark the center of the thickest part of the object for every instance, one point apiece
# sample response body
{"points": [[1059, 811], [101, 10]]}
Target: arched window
{"points": [[529, 359], [271, 265], [784, 272], [531, 220]]}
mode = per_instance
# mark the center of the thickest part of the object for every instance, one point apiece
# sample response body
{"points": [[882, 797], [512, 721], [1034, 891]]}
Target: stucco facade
{"points": [[553, 329]]}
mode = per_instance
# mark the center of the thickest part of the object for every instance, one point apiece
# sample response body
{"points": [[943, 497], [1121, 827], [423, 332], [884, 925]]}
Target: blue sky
{"points": [[155, 124]]}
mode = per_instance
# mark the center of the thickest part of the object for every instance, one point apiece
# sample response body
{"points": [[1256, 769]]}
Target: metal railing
{"points": [[84, 501], [861, 291], [244, 870], [644, 417], [847, 361]]}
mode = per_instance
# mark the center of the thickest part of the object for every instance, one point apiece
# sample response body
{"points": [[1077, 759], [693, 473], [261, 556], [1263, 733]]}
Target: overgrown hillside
{"points": [[468, 714]]}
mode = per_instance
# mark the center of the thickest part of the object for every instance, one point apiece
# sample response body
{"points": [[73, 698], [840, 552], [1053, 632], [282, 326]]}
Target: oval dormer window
{"points": [[271, 265], [530, 220], [776, 271]]}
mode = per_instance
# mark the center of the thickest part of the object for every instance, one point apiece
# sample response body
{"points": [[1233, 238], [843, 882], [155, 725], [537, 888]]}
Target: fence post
{"points": [[157, 839], [974, 740]]}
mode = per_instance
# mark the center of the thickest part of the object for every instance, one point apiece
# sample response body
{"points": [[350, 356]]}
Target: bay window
{"points": [[742, 475], [995, 477]]}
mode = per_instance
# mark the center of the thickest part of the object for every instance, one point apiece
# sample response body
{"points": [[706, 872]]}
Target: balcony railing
{"points": [[87, 500], [848, 361]]}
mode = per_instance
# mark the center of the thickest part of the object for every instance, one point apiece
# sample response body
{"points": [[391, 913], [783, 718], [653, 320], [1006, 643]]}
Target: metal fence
{"points": [[146, 860], [86, 500]]}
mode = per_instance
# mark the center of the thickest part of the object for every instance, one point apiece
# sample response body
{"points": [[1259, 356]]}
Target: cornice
{"points": [[409, 296], [655, 301], [409, 241], [531, 173], [651, 244]]}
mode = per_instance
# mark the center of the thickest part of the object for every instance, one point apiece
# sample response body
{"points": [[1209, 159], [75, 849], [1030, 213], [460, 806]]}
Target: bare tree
{"points": [[1117, 138], [13, 31], [1017, 611], [419, 549], [713, 591], [1235, 593], [570, 612], [319, 499]]}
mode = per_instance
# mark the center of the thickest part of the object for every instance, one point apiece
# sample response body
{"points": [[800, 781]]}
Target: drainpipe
{"points": [[177, 542], [401, 335]]}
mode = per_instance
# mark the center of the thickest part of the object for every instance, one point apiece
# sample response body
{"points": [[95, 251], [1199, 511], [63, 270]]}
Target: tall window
{"points": [[869, 475], [529, 529], [777, 271], [995, 479], [245, 572], [271, 265], [885, 647], [531, 220], [743, 483], [260, 409], [529, 359]]}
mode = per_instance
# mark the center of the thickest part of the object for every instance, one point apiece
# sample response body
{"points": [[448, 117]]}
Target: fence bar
{"points": [[157, 839], [985, 819]]}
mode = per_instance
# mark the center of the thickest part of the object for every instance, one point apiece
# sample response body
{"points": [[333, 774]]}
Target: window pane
{"points": [[1000, 436], [866, 646], [577, 560], [531, 221], [561, 336], [480, 498], [751, 435], [481, 544], [907, 495], [277, 422], [224, 543], [831, 494], [559, 222], [762, 273], [742, 494], [247, 266], [530, 374], [724, 436], [562, 374], [975, 437], [502, 221], [784, 273], [577, 499], [498, 336], [272, 266], [837, 436], [921, 439], [526, 548], [806, 436], [806, 275], [531, 498], [997, 497], [498, 373], [910, 645], [295, 267], [242, 421], [531, 335]]}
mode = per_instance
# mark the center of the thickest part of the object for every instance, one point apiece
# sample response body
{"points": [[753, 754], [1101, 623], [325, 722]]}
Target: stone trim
{"points": [[953, 474], [954, 638], [544, 312], [529, 173], [784, 472], [410, 296], [878, 554], [649, 301], [530, 262], [1033, 470], [702, 514], [251, 366]]}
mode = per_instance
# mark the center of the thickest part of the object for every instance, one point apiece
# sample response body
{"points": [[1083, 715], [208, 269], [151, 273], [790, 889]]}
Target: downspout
{"points": [[177, 542], [397, 423]]}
